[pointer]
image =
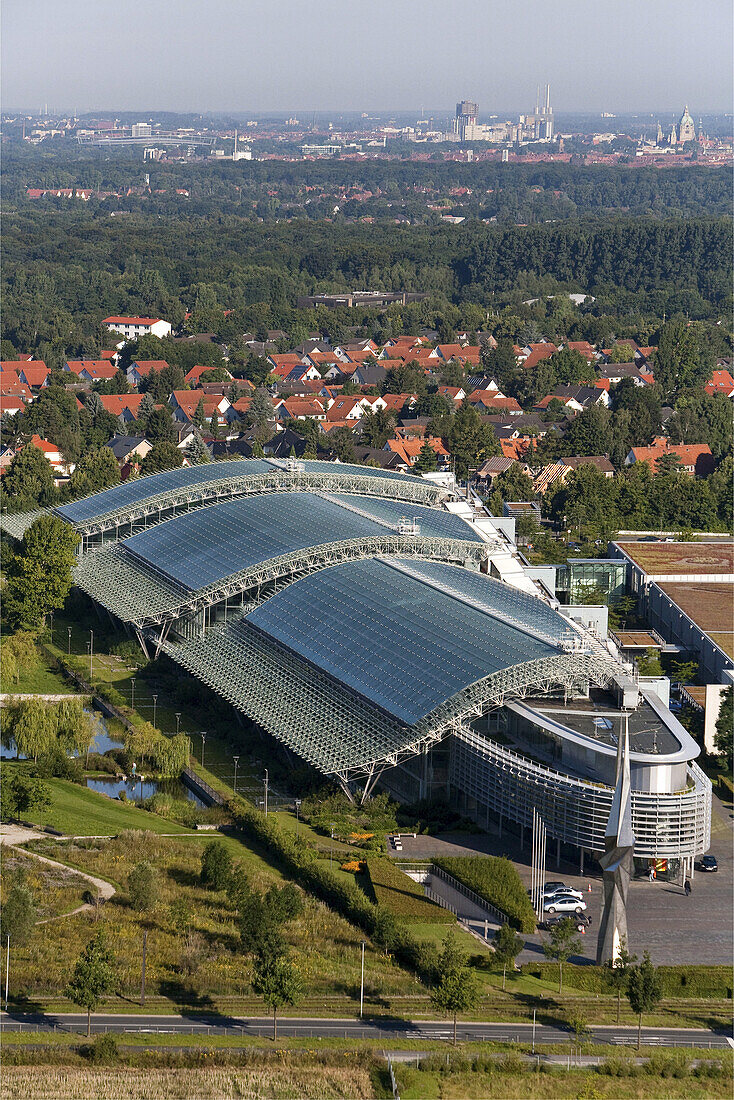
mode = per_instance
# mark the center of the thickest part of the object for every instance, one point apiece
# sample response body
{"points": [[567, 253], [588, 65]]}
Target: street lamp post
{"points": [[298, 806], [361, 988], [178, 721], [331, 845], [155, 704], [52, 628], [236, 762], [203, 742], [265, 801], [68, 631], [91, 653], [132, 692]]}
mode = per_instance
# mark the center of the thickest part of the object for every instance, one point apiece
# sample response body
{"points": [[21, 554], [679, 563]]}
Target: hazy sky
{"points": [[371, 55]]}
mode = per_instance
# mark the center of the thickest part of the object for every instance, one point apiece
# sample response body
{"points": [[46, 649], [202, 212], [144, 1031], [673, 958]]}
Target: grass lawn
{"points": [[78, 811], [42, 679], [196, 957]]}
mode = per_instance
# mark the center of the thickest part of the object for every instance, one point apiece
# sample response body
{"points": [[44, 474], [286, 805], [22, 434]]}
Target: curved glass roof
{"points": [[204, 546], [140, 489], [407, 637]]}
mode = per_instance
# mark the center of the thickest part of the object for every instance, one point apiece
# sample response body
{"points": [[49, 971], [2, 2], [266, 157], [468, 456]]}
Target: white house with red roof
{"points": [[133, 327], [721, 381], [300, 408], [408, 450], [53, 454], [91, 370], [124, 405], [34, 374], [184, 404]]}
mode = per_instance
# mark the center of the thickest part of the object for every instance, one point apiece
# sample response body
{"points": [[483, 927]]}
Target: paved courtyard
{"points": [[661, 919]]}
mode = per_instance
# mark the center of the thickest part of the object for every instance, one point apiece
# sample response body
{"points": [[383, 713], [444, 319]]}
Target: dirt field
{"points": [[283, 1083]]}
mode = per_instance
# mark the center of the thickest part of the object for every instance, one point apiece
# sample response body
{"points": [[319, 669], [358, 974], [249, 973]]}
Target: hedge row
{"points": [[403, 897], [675, 981], [496, 880], [725, 788], [345, 897]]}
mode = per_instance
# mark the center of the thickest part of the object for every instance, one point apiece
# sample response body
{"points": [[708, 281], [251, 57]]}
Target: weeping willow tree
{"points": [[33, 728], [165, 755], [74, 727]]}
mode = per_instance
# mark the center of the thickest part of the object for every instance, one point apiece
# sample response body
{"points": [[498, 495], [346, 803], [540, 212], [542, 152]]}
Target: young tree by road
{"points": [[93, 976], [507, 946], [643, 990], [277, 981], [619, 970], [562, 944], [456, 990]]}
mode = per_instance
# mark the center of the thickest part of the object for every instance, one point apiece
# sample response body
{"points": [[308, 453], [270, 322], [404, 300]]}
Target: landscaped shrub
{"points": [[404, 897], [345, 897], [496, 880]]}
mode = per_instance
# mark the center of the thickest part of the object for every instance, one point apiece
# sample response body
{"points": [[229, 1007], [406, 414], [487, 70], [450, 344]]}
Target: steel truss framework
{"points": [[139, 595], [334, 728], [122, 522], [576, 811]]}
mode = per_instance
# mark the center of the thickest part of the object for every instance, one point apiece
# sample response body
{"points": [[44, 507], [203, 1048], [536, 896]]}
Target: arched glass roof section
{"points": [[143, 488], [405, 636], [200, 547], [123, 510]]}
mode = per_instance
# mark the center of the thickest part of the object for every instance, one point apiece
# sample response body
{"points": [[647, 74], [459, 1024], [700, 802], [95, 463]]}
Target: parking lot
{"points": [[675, 929]]}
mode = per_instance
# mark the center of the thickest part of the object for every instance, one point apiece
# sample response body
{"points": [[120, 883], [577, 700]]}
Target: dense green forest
{"points": [[64, 270]]}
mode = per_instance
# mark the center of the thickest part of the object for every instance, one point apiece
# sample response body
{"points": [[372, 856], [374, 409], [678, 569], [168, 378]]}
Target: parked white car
{"points": [[563, 903], [566, 892]]}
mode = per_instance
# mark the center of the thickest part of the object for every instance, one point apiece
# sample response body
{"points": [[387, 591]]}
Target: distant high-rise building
{"points": [[467, 114], [544, 118], [141, 129]]}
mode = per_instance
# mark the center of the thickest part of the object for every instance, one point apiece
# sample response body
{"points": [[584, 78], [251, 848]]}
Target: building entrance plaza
{"points": [[675, 929]]}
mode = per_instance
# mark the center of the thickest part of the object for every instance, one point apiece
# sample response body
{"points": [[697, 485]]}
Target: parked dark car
{"points": [[708, 863]]}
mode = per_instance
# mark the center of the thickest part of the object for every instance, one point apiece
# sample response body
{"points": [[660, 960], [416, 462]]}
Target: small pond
{"points": [[137, 791]]}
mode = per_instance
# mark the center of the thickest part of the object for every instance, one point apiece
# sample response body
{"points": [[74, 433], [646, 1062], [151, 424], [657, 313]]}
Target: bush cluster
{"points": [[403, 897], [343, 896], [496, 880]]}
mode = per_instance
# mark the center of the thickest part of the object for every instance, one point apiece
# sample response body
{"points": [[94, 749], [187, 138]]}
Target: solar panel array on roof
{"points": [[514, 605], [204, 546], [398, 641], [139, 489], [318, 466], [433, 522]]}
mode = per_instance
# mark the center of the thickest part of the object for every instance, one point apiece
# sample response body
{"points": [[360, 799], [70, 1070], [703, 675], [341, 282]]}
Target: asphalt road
{"points": [[370, 1028]]}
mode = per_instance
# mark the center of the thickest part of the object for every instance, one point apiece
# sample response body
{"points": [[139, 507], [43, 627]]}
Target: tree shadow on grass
{"points": [[548, 1011], [183, 877]]}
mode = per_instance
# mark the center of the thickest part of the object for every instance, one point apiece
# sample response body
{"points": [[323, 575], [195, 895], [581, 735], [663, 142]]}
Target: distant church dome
{"points": [[686, 127]]}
